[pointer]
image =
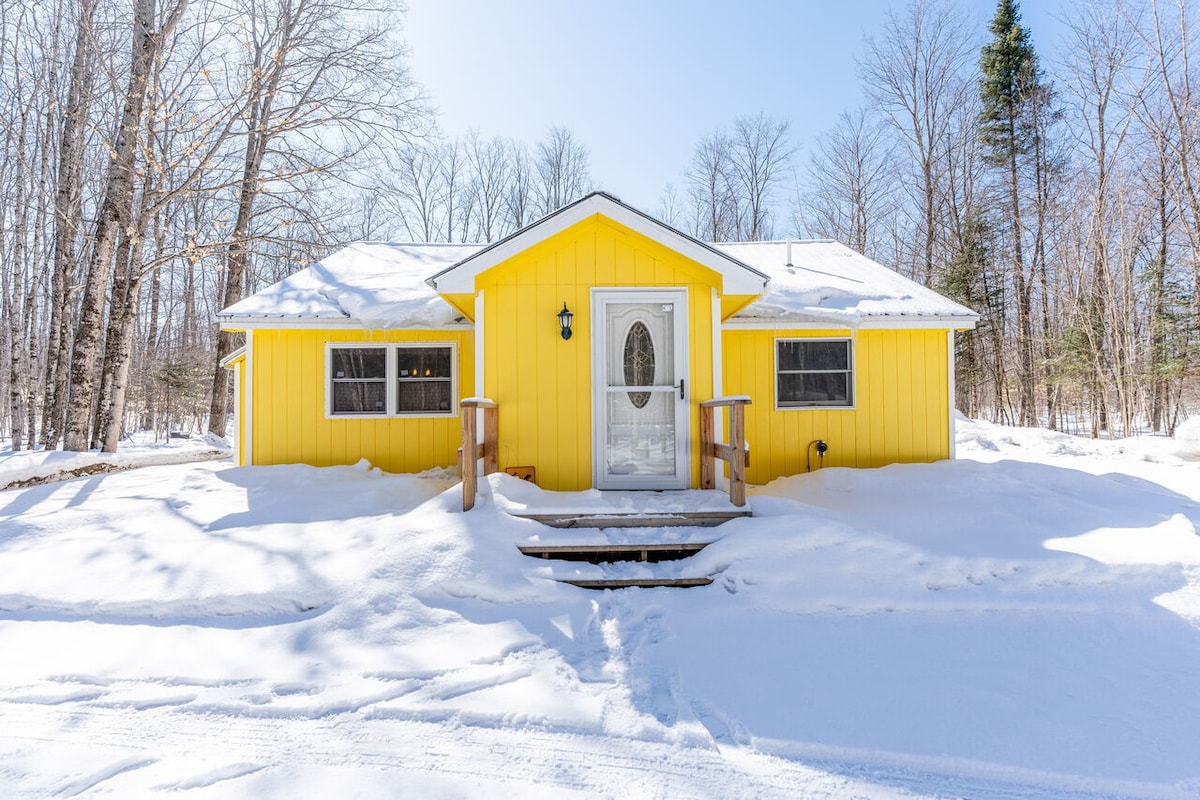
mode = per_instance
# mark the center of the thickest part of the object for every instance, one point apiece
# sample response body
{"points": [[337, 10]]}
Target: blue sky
{"points": [[640, 81]]}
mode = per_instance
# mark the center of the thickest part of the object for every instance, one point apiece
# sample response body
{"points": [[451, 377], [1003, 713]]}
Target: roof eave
{"points": [[243, 322], [819, 319]]}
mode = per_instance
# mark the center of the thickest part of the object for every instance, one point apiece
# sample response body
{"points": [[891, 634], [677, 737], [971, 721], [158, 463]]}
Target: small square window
{"points": [[359, 380], [813, 373], [424, 380]]}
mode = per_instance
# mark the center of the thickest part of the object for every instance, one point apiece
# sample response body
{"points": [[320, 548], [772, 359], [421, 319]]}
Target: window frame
{"points": [[391, 379], [850, 371]]}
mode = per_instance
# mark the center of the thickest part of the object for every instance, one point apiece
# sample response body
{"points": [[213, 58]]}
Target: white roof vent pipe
{"points": [[789, 252]]}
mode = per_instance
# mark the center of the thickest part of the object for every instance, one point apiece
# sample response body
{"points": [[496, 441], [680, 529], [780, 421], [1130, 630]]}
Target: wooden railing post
{"points": [[491, 436], [466, 456], [735, 453], [472, 449], [737, 464], [708, 459]]}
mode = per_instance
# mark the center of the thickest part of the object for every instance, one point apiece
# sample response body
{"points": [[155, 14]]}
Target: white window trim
{"points": [[391, 379], [853, 404]]}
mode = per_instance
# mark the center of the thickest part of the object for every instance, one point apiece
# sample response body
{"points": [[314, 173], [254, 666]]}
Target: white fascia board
{"points": [[308, 323], [893, 321], [738, 278], [228, 360]]}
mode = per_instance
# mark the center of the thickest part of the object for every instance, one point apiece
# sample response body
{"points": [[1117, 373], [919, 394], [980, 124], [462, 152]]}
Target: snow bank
{"points": [[27, 467], [1187, 439], [1022, 623]]}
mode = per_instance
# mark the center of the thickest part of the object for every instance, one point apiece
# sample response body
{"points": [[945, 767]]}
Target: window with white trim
{"points": [[424, 379], [393, 380], [814, 373], [358, 380]]}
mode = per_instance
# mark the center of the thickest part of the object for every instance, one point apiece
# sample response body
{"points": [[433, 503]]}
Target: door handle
{"points": [[681, 392]]}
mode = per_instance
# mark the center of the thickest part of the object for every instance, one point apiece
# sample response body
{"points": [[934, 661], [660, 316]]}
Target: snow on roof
{"points": [[376, 284], [828, 282], [384, 285]]}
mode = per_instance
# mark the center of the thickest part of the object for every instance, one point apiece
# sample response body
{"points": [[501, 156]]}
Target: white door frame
{"points": [[600, 299]]}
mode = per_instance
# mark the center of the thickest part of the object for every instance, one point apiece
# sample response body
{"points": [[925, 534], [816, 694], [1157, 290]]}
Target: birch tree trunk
{"points": [[114, 214], [68, 212]]}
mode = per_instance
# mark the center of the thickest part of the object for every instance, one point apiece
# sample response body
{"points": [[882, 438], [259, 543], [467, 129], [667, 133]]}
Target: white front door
{"points": [[640, 389]]}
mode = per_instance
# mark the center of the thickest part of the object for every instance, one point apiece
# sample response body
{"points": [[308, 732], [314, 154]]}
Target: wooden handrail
{"points": [[736, 452], [472, 449]]}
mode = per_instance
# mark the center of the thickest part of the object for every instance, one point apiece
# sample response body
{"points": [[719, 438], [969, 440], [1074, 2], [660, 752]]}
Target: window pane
{"points": [[359, 362], [814, 355], [415, 396], [358, 397], [423, 362], [814, 388], [641, 438]]}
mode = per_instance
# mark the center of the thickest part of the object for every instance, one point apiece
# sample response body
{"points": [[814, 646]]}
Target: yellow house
{"points": [[368, 354]]}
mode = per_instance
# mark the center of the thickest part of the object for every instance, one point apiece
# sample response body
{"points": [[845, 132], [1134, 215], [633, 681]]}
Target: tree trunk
{"points": [[1021, 288], [260, 103], [113, 216], [68, 212]]}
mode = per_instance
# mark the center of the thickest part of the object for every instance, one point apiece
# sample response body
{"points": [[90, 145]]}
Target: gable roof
{"points": [[823, 281], [389, 285], [738, 278]]}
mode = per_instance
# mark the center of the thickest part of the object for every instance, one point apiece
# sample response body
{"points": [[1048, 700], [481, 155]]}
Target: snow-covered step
{"points": [[704, 519], [639, 583], [608, 552], [620, 566]]}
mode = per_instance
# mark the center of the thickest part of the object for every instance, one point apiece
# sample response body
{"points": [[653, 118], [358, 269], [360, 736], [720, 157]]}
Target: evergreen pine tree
{"points": [[1010, 80]]}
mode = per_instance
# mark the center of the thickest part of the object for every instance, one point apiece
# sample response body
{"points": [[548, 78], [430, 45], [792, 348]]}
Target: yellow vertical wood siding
{"points": [[543, 384], [289, 423], [901, 402]]}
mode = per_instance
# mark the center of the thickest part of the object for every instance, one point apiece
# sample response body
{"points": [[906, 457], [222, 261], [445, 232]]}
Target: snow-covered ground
{"points": [[1023, 622]]}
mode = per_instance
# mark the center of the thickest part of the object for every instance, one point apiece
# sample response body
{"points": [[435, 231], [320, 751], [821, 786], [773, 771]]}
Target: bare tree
{"points": [[851, 182], [414, 190], [488, 164], [561, 166], [916, 71], [308, 61], [713, 198], [759, 155], [518, 194]]}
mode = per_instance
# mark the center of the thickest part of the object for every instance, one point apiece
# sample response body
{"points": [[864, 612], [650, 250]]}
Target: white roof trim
{"points": [[737, 277], [843, 323], [232, 357], [332, 323]]}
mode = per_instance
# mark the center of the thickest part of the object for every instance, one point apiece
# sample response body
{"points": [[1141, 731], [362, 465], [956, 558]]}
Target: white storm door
{"points": [[640, 389]]}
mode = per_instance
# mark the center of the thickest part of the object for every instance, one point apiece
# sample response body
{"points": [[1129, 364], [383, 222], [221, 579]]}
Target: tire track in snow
{"points": [[246, 747]]}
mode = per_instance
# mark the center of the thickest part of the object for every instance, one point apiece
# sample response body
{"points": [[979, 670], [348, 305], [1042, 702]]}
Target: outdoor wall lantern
{"points": [[564, 321]]}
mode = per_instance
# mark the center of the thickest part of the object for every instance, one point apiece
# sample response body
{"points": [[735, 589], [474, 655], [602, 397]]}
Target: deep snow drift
{"points": [[1022, 622]]}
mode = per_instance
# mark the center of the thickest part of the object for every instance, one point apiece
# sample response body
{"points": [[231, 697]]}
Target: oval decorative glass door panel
{"points": [[639, 362]]}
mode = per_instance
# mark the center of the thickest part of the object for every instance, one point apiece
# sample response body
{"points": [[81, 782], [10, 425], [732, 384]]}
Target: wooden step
{"points": [[608, 553], [702, 519], [639, 583]]}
